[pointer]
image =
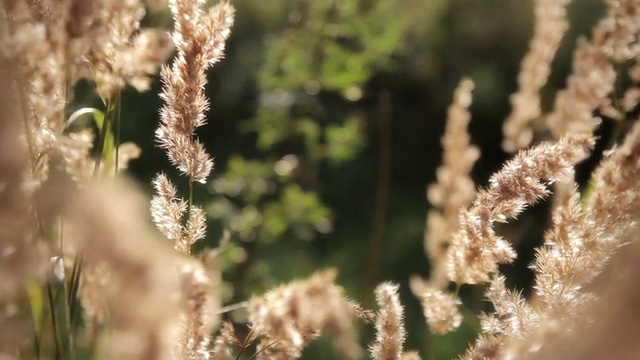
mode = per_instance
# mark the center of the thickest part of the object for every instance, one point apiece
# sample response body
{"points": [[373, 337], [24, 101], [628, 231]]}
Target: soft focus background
{"points": [[325, 125]]}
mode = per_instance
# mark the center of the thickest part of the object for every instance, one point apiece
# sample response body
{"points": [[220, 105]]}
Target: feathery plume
{"points": [[550, 26], [453, 191], [200, 38], [584, 237], [580, 243], [617, 33], [559, 265], [484, 348], [52, 45], [513, 317], [588, 88], [455, 188], [476, 250], [196, 320], [224, 342], [290, 316], [167, 210], [606, 328], [390, 332], [439, 308], [119, 51], [593, 77], [613, 205]]}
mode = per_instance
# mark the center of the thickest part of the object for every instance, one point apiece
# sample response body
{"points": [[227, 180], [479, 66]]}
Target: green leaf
{"points": [[109, 150], [34, 293], [344, 142]]}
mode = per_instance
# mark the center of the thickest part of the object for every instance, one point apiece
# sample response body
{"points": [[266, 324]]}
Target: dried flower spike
{"points": [[550, 26], [476, 250], [290, 316], [440, 308], [390, 332], [200, 38], [454, 189]]}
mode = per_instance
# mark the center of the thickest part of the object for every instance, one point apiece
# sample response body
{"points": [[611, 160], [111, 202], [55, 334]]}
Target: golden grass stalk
{"points": [[199, 38], [550, 26], [167, 210], [439, 307], [288, 317], [196, 324], [390, 332], [593, 79], [583, 238], [476, 250], [604, 328], [454, 188]]}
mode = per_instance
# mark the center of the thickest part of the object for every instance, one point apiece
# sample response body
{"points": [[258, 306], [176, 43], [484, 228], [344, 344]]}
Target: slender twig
{"points": [[261, 350], [382, 194], [229, 308], [240, 353]]}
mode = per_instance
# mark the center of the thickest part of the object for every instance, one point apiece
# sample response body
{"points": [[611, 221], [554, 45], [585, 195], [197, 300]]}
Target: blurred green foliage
{"points": [[308, 116], [294, 127]]}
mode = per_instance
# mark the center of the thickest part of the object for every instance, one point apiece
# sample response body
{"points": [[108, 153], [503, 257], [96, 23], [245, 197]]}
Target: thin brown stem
{"points": [[382, 194], [263, 349], [229, 308]]}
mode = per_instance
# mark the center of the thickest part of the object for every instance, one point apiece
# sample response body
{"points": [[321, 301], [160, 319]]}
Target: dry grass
{"points": [[74, 243]]}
